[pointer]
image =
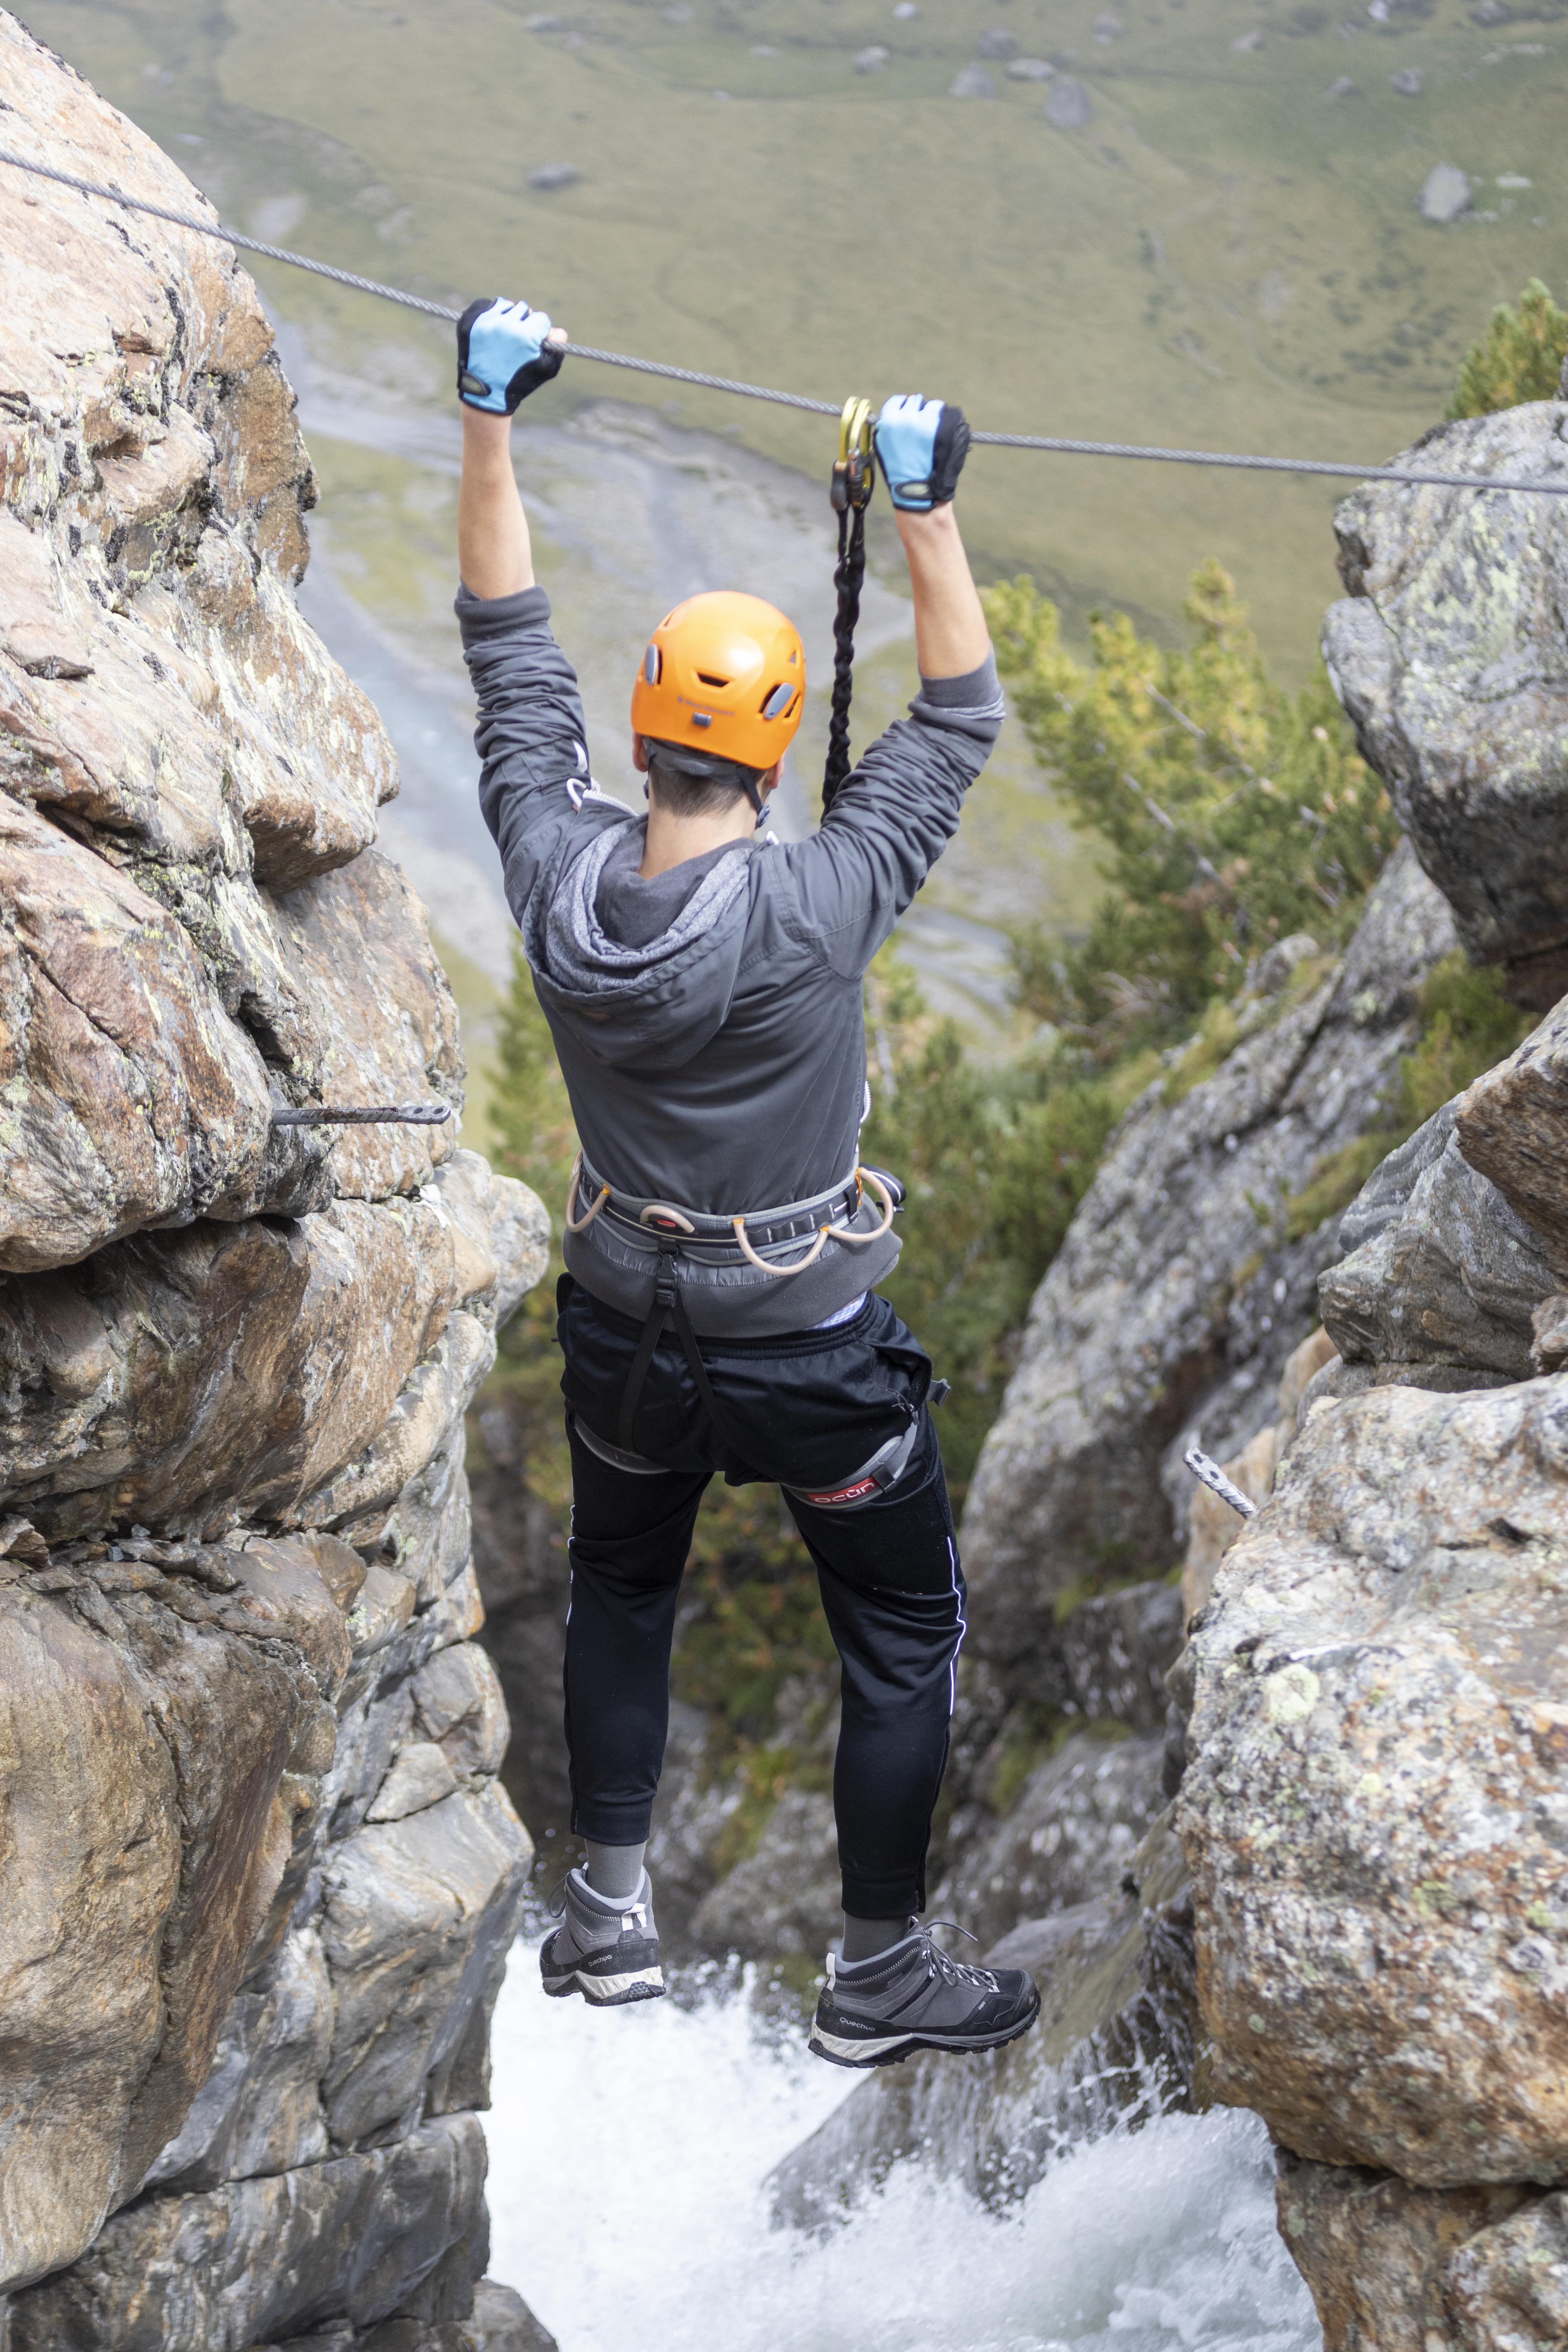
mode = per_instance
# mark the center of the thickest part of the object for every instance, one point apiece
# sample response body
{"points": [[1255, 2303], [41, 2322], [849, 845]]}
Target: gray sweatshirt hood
{"points": [[654, 1005]]}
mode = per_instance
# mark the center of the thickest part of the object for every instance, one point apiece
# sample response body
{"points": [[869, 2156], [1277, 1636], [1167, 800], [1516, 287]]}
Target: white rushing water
{"points": [[628, 2154]]}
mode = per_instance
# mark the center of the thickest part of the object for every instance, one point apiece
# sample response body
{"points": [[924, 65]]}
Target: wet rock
{"points": [[1030, 69], [974, 82], [1068, 106], [1408, 83], [550, 177], [1448, 1274], [1393, 2265], [501, 2322], [1445, 195], [358, 2235], [1376, 1802], [997, 42], [1177, 1296], [1512, 1125], [1114, 2043], [873, 60], [1446, 656], [1067, 1838]]}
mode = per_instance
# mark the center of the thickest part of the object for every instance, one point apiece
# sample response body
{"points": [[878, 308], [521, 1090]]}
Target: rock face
{"points": [[1178, 1294], [1374, 1802], [1376, 1807], [1406, 2269], [1442, 1270], [261, 1880], [1447, 655]]}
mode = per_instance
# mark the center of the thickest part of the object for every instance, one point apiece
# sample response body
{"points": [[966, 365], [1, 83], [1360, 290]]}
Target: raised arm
{"points": [[535, 792], [505, 350], [891, 820], [494, 556], [921, 446]]}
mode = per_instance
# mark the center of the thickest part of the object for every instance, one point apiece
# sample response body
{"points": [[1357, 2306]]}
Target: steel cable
{"points": [[1233, 460]]}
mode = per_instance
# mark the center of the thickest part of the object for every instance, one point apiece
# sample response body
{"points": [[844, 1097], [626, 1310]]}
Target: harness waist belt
{"points": [[747, 1275]]}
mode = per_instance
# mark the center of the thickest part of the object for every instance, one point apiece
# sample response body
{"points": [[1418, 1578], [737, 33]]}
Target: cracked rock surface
{"points": [[1376, 1805], [1449, 657], [1177, 1296], [261, 1878]]}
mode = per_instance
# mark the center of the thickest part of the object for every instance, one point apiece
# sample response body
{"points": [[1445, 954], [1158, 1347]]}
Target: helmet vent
{"points": [[778, 701], [651, 665], [707, 680]]}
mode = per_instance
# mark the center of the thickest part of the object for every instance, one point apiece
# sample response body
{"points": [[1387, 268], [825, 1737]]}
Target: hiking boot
{"points": [[605, 1950], [917, 1997]]}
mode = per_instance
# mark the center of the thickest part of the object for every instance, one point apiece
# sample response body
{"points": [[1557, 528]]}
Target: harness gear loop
{"points": [[854, 479], [779, 1273], [869, 1176], [865, 1176], [580, 1224]]}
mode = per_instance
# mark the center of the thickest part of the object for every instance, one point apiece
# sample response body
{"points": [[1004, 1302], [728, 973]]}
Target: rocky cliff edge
{"points": [[261, 1876]]}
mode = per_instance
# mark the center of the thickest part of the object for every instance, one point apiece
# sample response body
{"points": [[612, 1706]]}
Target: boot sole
{"points": [[839, 2051], [607, 1992]]}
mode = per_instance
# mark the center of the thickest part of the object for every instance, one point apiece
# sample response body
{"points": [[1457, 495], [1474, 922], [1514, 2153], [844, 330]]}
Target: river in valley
{"points": [[628, 2152]]}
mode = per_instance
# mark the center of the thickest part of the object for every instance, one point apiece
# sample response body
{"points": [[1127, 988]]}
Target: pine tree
{"points": [[1520, 357]]}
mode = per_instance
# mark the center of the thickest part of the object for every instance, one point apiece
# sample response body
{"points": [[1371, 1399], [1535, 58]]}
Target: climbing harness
{"points": [[382, 1115], [708, 1241], [854, 479], [1233, 459]]}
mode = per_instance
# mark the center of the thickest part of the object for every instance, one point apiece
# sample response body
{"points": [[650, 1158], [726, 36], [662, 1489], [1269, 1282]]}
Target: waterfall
{"points": [[628, 2156]]}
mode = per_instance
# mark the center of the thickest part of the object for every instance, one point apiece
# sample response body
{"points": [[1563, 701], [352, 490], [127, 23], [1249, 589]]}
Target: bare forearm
{"points": [[494, 551], [950, 634]]}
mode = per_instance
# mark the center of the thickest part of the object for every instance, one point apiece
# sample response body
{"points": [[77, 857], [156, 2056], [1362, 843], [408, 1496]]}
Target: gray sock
{"points": [[614, 1871], [864, 1938]]}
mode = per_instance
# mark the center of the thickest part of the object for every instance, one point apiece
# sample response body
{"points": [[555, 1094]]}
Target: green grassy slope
{"points": [[1225, 256]]}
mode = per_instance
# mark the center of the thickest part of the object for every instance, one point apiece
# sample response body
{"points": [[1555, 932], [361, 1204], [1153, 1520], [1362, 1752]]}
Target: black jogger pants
{"points": [[806, 1408]]}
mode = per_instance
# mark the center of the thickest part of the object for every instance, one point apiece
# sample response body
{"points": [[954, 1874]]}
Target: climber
{"points": [[702, 983]]}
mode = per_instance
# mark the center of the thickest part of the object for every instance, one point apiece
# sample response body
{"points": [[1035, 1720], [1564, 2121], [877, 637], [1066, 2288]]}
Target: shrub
{"points": [[1234, 813], [1519, 358]]}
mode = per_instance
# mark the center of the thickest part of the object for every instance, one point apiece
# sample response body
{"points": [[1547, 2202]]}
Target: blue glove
{"points": [[503, 355], [921, 447]]}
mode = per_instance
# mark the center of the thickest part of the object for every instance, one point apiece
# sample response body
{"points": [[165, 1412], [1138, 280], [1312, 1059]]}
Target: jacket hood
{"points": [[654, 1005]]}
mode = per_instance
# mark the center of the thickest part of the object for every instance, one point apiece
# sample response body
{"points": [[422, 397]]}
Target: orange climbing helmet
{"points": [[725, 675]]}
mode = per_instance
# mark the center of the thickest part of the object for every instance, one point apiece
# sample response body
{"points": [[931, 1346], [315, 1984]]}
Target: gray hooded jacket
{"points": [[718, 1064]]}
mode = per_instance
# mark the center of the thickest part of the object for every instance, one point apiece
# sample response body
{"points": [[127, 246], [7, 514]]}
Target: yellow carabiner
{"points": [[855, 472]]}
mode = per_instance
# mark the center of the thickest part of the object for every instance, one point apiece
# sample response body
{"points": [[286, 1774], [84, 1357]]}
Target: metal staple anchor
{"points": [[373, 1114], [1214, 1479]]}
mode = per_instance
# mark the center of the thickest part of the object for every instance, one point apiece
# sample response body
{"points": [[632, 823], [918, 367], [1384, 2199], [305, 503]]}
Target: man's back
{"points": [[719, 1061]]}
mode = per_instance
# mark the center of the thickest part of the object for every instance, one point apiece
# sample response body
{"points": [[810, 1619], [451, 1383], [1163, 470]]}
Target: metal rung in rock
{"points": [[374, 1115], [1214, 1479]]}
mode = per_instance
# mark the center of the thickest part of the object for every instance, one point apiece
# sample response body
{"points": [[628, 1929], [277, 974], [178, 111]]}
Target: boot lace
{"points": [[942, 1964]]}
